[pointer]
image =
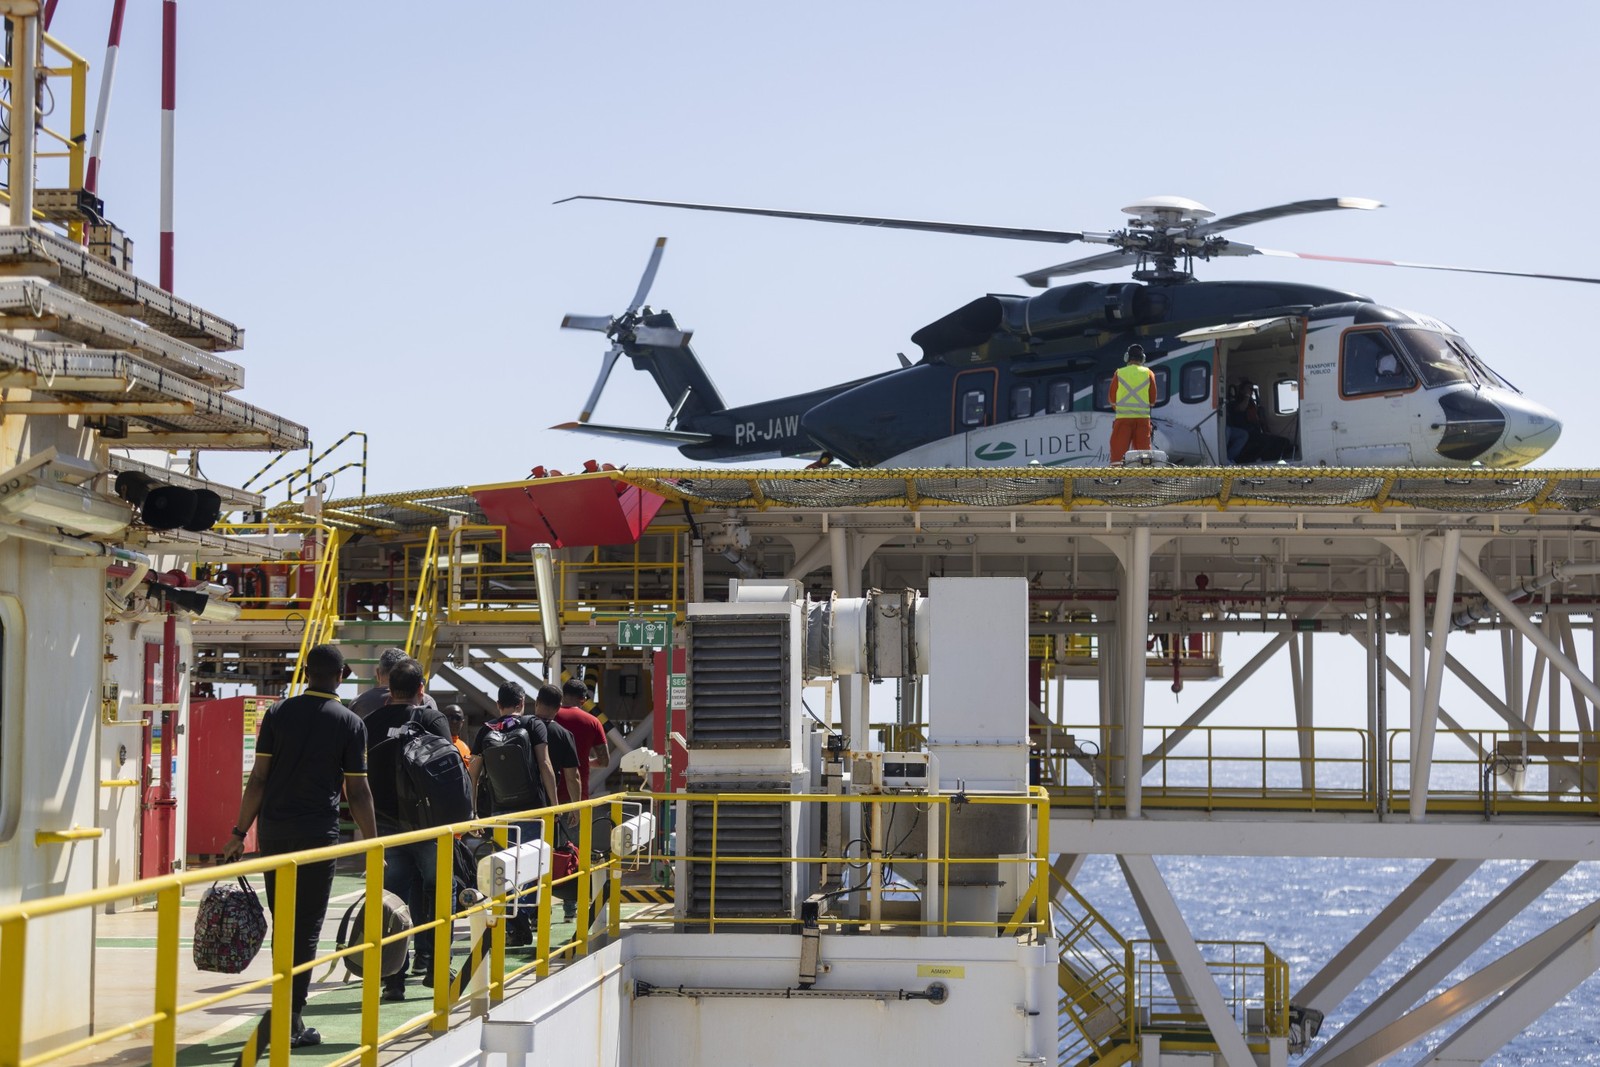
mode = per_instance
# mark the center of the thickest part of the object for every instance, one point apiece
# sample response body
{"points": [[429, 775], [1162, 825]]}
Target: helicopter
{"points": [[1330, 377]]}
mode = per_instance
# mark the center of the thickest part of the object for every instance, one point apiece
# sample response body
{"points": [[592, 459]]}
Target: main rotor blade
{"points": [[1429, 266], [1014, 233], [607, 361], [1299, 207], [586, 322], [1104, 261], [649, 274]]}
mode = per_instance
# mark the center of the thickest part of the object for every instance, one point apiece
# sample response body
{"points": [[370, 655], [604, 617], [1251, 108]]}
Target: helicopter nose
{"points": [[1531, 431], [1473, 424]]}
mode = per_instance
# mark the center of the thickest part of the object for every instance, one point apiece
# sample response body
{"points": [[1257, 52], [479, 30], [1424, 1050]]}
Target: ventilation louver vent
{"points": [[743, 890], [738, 682]]}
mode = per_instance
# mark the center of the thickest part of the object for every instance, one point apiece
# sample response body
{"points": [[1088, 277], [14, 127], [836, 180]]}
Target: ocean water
{"points": [[1305, 910]]}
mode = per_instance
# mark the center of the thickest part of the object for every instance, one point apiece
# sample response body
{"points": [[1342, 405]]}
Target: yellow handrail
{"points": [[167, 891], [323, 614], [425, 608], [74, 142]]}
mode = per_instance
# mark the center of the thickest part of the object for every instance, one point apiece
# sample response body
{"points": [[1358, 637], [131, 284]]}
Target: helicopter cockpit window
{"points": [[1440, 362], [974, 407], [1194, 382], [1372, 364], [1059, 398], [1477, 363], [1021, 401]]}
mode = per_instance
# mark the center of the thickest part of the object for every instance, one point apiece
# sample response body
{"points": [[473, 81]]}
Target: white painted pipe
{"points": [[24, 91]]}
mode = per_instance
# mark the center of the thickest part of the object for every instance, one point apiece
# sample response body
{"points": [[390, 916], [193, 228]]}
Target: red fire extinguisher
{"points": [[310, 552]]}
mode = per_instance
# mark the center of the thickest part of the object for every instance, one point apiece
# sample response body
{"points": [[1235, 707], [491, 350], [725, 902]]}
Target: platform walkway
{"points": [[125, 959]]}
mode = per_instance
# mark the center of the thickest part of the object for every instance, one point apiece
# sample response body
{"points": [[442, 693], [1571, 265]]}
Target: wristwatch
{"points": [[239, 833]]}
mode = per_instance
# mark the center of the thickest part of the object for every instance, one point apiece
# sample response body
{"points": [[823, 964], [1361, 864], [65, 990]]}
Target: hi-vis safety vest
{"points": [[1135, 383]]}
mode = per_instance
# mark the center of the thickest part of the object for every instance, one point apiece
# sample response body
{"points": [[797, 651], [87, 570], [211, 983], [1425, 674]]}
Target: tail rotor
{"points": [[629, 329]]}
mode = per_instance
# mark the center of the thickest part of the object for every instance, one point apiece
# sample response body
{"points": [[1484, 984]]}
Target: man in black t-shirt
{"points": [[408, 869], [308, 748], [564, 757], [563, 746]]}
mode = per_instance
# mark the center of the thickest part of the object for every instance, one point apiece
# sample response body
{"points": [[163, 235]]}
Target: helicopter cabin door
{"points": [[1258, 375]]}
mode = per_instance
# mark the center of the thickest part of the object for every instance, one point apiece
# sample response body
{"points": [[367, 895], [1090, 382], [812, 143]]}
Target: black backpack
{"points": [[430, 781], [431, 787], [507, 753]]}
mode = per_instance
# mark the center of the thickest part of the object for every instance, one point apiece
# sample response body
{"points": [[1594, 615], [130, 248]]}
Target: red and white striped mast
{"points": [[91, 179], [169, 97]]}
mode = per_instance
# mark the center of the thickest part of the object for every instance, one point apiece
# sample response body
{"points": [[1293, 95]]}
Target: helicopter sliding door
{"points": [[1258, 382]]}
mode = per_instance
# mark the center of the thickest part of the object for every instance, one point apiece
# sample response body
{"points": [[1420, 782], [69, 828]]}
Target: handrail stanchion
{"points": [[614, 890], [547, 834], [283, 897], [164, 1035], [371, 957], [13, 968], [585, 880], [497, 933], [444, 908]]}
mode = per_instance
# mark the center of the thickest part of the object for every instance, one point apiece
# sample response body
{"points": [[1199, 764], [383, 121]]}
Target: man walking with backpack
{"points": [[511, 760], [409, 870]]}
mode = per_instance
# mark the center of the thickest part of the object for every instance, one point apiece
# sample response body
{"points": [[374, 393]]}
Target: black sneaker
{"points": [[393, 991], [427, 979]]}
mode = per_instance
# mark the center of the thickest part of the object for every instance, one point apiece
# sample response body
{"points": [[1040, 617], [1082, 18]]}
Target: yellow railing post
{"points": [[371, 957], [13, 967], [497, 932], [164, 1035], [614, 890], [585, 880], [283, 899], [444, 906], [546, 890]]}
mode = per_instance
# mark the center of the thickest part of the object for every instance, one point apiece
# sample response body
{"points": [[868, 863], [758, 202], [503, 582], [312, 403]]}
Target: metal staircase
{"points": [[1097, 1027]]}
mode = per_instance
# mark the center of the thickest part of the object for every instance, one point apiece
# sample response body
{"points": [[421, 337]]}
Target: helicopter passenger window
{"points": [[1439, 360], [1163, 393], [1102, 394], [1370, 364], [974, 407], [1194, 382], [1021, 401], [1286, 396], [1060, 396]]}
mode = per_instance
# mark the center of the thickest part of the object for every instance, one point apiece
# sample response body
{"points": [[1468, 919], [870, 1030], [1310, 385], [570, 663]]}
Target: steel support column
{"points": [[24, 107], [1423, 730], [1136, 620], [1351, 965], [1417, 625], [1168, 925]]}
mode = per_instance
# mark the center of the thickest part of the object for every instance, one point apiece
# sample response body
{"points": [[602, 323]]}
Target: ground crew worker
{"points": [[1133, 394]]}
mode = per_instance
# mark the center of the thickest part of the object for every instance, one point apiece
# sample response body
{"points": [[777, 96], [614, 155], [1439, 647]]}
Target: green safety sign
{"points": [[678, 692], [643, 633]]}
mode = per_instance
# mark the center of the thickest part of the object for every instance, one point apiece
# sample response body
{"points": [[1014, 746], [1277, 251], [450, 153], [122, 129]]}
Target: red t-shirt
{"points": [[589, 735]]}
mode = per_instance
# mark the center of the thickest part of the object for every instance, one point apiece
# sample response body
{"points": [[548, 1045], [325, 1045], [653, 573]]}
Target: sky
{"points": [[369, 191]]}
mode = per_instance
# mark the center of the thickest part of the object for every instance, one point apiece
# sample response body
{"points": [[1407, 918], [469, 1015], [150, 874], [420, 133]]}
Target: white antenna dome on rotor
{"points": [[1169, 209]]}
